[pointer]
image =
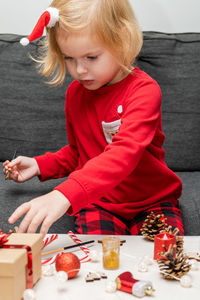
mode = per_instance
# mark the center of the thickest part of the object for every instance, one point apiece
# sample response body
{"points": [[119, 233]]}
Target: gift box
{"points": [[20, 264]]}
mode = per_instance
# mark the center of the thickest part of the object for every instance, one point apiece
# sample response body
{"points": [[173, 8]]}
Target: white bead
{"points": [[29, 294], [47, 270], [93, 255], [186, 281], [111, 286], [142, 267]]}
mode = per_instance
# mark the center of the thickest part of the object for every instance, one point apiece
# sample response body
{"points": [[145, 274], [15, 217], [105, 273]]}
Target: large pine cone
{"points": [[153, 224], [173, 267]]}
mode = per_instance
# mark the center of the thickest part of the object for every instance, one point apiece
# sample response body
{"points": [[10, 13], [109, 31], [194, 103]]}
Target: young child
{"points": [[114, 160]]}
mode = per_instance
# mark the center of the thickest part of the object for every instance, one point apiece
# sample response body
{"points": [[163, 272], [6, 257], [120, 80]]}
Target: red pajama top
{"points": [[115, 157]]}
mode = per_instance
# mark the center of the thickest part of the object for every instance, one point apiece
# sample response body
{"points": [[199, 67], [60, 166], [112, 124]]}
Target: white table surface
{"points": [[135, 248]]}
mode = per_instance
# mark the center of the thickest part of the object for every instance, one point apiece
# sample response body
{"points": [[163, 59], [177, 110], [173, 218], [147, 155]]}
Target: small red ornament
{"points": [[69, 263]]}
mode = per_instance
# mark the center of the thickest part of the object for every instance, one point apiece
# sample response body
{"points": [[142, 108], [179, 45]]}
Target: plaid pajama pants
{"points": [[95, 220]]}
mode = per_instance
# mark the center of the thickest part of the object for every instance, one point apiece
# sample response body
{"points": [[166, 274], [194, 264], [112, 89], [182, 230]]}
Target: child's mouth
{"points": [[86, 82]]}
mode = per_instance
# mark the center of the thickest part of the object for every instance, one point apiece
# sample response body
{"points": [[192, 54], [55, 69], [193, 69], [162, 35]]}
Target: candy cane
{"points": [[83, 248], [49, 240], [51, 260], [76, 240]]}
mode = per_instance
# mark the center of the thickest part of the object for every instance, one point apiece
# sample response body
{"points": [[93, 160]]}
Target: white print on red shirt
{"points": [[110, 129]]}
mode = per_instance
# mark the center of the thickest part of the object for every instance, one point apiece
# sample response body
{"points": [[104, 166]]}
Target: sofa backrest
{"points": [[174, 61], [32, 116]]}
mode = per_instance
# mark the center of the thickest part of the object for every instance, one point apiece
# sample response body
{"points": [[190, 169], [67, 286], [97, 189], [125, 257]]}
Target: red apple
{"points": [[69, 263]]}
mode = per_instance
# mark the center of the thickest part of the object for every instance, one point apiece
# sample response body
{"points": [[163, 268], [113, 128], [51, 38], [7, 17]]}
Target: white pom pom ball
{"points": [[24, 41]]}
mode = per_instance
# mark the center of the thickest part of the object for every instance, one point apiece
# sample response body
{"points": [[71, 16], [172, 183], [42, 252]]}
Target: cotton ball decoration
{"points": [[61, 278], [29, 294], [142, 267], [186, 281], [69, 263], [111, 286], [47, 270]]}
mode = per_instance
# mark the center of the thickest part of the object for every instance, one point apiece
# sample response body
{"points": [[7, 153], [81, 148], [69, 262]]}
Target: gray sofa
{"points": [[32, 117]]}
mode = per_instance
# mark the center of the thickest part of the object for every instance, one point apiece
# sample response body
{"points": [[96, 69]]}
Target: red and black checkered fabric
{"points": [[95, 220]]}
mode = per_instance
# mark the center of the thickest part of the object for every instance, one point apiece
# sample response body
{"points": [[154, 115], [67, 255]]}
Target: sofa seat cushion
{"points": [[190, 202], [13, 194]]}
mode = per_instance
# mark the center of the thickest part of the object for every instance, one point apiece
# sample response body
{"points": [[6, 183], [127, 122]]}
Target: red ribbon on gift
{"points": [[29, 269]]}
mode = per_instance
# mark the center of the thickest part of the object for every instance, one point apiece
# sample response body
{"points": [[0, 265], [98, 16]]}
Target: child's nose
{"points": [[81, 68]]}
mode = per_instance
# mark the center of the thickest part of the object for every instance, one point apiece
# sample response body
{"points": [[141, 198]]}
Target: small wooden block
{"points": [[103, 275]]}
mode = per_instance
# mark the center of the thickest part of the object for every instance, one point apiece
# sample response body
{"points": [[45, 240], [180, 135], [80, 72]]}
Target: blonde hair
{"points": [[112, 21]]}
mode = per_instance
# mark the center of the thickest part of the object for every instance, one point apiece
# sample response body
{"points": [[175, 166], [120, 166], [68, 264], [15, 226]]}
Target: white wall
{"points": [[168, 15], [19, 16]]}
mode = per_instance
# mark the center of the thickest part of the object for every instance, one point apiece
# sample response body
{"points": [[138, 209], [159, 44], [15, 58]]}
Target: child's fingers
{"points": [[21, 210], [27, 220], [48, 221], [5, 163], [15, 162], [5, 166], [36, 222]]}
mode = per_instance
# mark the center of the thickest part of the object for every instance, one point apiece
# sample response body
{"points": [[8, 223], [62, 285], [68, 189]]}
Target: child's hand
{"points": [[43, 210], [21, 168]]}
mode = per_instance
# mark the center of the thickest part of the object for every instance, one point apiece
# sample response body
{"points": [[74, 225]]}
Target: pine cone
{"points": [[173, 267], [179, 238], [153, 225]]}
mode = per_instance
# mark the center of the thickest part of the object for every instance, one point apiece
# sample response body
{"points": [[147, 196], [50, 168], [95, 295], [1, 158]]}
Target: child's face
{"points": [[87, 61]]}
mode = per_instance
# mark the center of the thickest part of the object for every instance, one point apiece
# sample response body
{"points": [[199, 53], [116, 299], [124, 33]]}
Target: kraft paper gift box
{"points": [[13, 265]]}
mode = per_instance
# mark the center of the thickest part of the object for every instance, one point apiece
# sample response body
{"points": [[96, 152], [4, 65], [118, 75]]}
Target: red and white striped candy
{"points": [[49, 240], [83, 248], [52, 260]]}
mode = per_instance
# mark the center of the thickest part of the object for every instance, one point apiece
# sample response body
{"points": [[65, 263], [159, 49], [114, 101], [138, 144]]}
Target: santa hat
{"points": [[48, 18]]}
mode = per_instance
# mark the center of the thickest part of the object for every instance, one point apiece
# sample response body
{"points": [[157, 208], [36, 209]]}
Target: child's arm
{"points": [[43, 210]]}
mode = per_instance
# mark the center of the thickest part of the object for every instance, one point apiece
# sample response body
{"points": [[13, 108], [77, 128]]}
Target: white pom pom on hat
{"points": [[24, 41], [48, 19]]}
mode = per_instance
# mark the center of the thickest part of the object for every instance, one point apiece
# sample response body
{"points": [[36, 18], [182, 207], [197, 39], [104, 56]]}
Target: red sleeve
{"points": [[62, 162], [100, 174]]}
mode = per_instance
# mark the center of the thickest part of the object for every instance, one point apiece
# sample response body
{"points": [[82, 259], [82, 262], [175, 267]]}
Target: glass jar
{"points": [[111, 249]]}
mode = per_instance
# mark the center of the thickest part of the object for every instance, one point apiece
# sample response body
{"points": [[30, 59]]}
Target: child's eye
{"points": [[92, 57], [68, 58]]}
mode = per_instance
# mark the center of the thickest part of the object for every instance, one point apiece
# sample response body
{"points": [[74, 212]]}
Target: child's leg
{"points": [[95, 220], [170, 210]]}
